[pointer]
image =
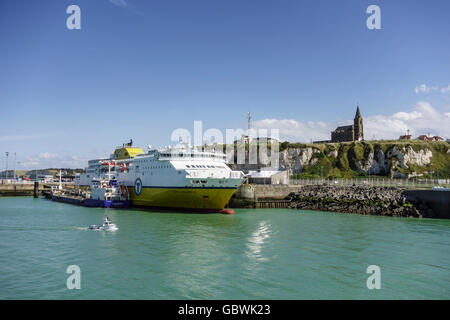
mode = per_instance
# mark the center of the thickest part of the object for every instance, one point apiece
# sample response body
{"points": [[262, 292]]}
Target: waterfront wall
{"points": [[437, 200], [7, 190], [256, 192], [250, 195]]}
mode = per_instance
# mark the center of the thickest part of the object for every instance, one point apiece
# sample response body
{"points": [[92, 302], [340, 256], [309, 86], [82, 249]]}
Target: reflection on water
{"points": [[256, 241], [254, 254]]}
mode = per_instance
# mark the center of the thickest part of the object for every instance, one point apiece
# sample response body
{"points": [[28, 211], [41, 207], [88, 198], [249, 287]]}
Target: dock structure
{"points": [[36, 189], [23, 189]]}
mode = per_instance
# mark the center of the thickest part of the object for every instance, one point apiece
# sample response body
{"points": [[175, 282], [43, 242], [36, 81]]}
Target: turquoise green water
{"points": [[254, 254]]}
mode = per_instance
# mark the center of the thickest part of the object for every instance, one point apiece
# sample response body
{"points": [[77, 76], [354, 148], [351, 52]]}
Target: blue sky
{"points": [[141, 69]]}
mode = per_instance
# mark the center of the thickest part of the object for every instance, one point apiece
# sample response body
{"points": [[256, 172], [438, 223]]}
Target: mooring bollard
{"points": [[36, 189]]}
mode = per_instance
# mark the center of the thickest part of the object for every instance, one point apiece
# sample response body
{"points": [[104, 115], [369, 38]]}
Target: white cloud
{"points": [[430, 121], [422, 119], [290, 128], [51, 160], [424, 88], [446, 89], [47, 155], [407, 116], [120, 3]]}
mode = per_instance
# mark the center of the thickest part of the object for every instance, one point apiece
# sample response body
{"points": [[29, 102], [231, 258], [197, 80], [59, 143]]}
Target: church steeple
{"points": [[358, 114], [358, 125]]}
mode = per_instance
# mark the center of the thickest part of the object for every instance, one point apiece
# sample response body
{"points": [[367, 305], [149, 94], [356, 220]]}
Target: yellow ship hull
{"points": [[202, 199]]}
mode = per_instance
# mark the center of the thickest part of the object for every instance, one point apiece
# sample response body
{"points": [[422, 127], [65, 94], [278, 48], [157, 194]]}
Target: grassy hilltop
{"points": [[347, 159], [343, 165]]}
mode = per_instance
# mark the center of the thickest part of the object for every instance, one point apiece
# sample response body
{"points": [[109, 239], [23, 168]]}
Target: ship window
{"points": [[188, 166]]}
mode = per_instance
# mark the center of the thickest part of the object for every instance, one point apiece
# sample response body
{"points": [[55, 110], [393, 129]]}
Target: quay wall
{"points": [[7, 190], [262, 196], [437, 200], [260, 192]]}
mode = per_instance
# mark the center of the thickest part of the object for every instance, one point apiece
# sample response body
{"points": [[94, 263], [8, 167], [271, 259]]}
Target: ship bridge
{"points": [[126, 152]]}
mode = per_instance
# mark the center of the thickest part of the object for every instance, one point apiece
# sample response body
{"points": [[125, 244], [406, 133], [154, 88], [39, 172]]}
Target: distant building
{"points": [[7, 175], [245, 139], [354, 132], [268, 177], [407, 136], [46, 178], [424, 137]]}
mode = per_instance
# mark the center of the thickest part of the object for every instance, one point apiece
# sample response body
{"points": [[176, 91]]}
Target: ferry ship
{"points": [[171, 178]]}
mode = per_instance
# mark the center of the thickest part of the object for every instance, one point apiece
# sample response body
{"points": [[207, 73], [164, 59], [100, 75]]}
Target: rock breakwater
{"points": [[368, 200]]}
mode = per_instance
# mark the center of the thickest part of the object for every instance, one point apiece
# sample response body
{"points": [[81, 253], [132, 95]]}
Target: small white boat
{"points": [[107, 226]]}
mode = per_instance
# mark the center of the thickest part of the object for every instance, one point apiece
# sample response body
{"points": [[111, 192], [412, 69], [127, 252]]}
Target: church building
{"points": [[352, 132]]}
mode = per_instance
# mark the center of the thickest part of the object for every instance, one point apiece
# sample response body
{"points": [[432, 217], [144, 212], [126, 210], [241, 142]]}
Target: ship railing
{"points": [[236, 174]]}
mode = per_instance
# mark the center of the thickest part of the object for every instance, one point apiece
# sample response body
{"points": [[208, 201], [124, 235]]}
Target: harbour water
{"points": [[253, 254]]}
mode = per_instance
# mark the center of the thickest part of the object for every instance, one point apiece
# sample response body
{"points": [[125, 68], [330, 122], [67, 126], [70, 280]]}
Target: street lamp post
{"points": [[6, 173], [14, 166]]}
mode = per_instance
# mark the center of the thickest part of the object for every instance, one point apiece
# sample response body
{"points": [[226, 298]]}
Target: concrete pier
{"points": [[12, 189]]}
